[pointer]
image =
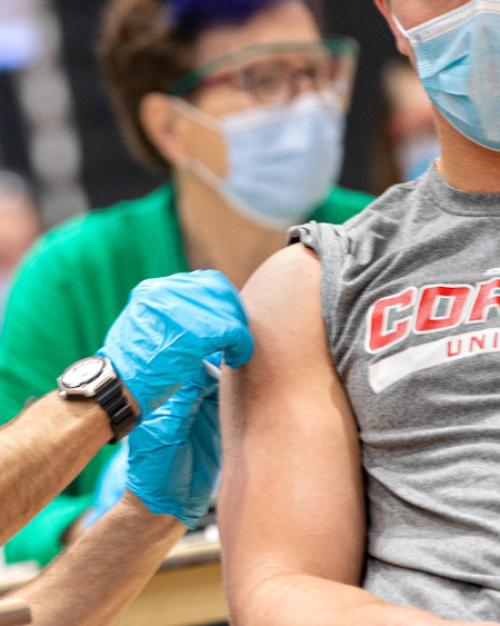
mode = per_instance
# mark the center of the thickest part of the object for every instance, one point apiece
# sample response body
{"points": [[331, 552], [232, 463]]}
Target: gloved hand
{"points": [[174, 455], [110, 487], [169, 326]]}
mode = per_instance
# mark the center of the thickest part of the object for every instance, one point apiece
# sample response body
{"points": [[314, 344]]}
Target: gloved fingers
{"points": [[230, 337], [223, 322], [203, 302], [199, 284], [238, 346], [169, 326], [215, 359], [203, 290]]}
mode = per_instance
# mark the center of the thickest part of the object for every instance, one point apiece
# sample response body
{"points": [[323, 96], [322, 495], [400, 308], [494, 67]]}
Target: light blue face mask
{"points": [[458, 60], [282, 160]]}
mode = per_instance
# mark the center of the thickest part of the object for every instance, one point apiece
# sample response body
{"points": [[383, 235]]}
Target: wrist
{"points": [[127, 385], [132, 509], [80, 414], [95, 378]]}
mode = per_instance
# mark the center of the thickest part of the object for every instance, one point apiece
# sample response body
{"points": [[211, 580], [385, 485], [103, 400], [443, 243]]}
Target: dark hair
{"points": [[146, 46], [196, 15]]}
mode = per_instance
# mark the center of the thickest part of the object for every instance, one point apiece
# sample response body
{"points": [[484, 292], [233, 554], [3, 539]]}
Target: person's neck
{"points": [[217, 237], [464, 164]]}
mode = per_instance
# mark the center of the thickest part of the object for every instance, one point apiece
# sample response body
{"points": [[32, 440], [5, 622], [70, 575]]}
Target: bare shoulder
{"points": [[291, 355], [280, 278], [283, 302]]}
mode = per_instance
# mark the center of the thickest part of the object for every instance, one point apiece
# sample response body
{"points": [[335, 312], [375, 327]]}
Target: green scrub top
{"points": [[67, 293]]}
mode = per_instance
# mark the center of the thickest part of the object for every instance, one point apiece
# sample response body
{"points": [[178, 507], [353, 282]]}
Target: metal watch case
{"points": [[84, 378]]}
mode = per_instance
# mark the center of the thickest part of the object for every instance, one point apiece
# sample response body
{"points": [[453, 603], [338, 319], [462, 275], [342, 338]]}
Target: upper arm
{"points": [[292, 495]]}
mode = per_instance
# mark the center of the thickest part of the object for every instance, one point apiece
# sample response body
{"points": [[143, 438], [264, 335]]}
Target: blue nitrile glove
{"points": [[195, 406], [175, 452], [169, 326], [110, 487]]}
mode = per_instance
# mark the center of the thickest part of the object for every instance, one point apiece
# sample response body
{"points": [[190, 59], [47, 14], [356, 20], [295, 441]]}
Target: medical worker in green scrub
{"points": [[243, 105]]}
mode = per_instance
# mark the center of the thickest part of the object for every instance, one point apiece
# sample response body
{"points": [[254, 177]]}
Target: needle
{"points": [[212, 370]]}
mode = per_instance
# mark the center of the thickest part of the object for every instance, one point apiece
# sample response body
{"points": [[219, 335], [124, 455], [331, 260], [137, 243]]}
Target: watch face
{"points": [[83, 372]]}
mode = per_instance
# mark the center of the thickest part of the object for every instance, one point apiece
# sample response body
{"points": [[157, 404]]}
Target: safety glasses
{"points": [[274, 74]]}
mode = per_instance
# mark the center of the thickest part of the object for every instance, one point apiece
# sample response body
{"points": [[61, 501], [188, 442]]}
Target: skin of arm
{"points": [[103, 572], [43, 450], [291, 511]]}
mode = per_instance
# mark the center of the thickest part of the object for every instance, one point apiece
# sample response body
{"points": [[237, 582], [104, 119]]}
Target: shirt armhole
{"points": [[329, 242]]}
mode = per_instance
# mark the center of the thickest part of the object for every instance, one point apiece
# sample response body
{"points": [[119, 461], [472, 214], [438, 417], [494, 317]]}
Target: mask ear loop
{"points": [[189, 164], [399, 26], [442, 23], [194, 114], [203, 173]]}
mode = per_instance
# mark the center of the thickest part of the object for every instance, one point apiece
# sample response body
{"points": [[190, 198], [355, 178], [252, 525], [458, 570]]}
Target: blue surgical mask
{"points": [[458, 60], [282, 160]]}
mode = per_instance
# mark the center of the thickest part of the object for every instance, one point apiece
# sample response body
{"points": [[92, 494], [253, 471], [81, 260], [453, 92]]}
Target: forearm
{"points": [[105, 570], [43, 450], [300, 600]]}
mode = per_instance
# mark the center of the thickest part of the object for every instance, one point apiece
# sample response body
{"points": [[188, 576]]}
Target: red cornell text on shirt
{"points": [[422, 312]]}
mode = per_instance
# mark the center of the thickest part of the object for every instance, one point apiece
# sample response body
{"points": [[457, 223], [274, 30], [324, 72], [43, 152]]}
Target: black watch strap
{"points": [[114, 402]]}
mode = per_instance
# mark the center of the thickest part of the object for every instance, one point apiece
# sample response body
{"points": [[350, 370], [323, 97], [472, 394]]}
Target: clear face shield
{"points": [[273, 74]]}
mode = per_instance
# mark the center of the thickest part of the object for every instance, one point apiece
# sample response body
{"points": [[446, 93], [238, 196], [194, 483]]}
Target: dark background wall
{"points": [[13, 140], [362, 21], [109, 174]]}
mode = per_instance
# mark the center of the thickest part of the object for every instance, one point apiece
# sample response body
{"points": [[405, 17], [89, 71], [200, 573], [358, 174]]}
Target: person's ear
{"points": [[402, 44], [163, 126], [179, 137]]}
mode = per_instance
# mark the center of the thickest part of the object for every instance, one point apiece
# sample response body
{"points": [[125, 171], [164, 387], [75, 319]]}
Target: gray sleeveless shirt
{"points": [[411, 301]]}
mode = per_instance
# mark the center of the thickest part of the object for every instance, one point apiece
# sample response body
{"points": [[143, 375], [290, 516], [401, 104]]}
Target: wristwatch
{"points": [[95, 378]]}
